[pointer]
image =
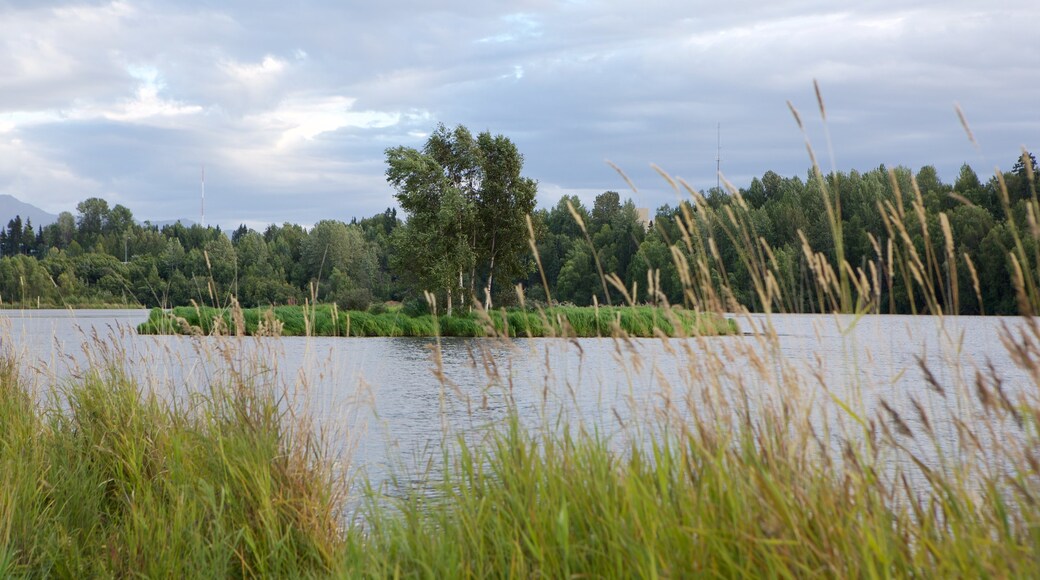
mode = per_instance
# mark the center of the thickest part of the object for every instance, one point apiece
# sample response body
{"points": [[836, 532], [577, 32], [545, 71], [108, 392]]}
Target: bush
{"points": [[353, 298], [378, 308], [415, 307]]}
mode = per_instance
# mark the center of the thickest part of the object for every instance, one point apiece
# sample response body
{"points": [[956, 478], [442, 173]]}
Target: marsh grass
{"points": [[325, 320]]}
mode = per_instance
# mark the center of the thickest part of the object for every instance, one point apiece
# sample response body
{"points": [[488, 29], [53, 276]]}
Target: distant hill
{"points": [[11, 207]]}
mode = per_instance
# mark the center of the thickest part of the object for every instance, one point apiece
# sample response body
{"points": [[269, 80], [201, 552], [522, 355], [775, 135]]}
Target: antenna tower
{"points": [[718, 156], [202, 214]]}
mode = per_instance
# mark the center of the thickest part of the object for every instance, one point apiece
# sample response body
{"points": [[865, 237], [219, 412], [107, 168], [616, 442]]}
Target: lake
{"points": [[383, 406]]}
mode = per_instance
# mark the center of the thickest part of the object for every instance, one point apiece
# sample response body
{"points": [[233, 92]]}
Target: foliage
{"points": [[467, 205], [467, 237]]}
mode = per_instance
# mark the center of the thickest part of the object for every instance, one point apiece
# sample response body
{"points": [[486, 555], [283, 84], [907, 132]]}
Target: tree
{"points": [[467, 203], [60, 234], [221, 265], [432, 247], [444, 224], [655, 257], [1026, 162], [93, 216], [239, 232], [578, 281], [555, 243], [28, 245], [378, 231], [334, 246], [261, 282], [12, 241], [604, 208], [119, 221], [505, 200], [1024, 177]]}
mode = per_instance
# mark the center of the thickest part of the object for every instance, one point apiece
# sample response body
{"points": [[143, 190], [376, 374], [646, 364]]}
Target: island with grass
{"points": [[328, 320]]}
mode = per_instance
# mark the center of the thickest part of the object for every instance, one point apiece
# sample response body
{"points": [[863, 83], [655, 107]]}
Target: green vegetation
{"points": [[467, 206], [708, 501], [467, 239], [102, 480], [637, 321]]}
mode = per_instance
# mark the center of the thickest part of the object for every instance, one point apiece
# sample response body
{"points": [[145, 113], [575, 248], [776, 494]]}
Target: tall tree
{"points": [[505, 199], [1024, 177], [93, 217], [13, 237], [432, 246], [466, 202], [333, 245], [119, 221]]}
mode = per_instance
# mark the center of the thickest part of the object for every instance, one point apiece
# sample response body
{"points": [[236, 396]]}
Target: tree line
{"points": [[466, 232]]}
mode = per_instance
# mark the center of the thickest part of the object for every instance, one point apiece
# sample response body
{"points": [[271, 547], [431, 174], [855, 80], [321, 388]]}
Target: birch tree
{"points": [[466, 203]]}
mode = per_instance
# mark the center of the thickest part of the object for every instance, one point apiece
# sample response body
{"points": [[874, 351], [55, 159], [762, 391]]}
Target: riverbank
{"points": [[327, 320]]}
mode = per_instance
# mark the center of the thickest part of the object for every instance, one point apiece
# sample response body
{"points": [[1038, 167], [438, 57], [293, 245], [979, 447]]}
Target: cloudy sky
{"points": [[291, 103]]}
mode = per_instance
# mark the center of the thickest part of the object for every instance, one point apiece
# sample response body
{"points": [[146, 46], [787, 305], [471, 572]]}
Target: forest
{"points": [[472, 245]]}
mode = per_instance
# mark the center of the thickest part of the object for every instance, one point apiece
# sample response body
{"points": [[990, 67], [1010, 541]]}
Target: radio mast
{"points": [[202, 214], [718, 156]]}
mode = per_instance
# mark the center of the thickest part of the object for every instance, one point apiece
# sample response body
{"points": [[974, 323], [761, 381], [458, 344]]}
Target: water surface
{"points": [[391, 400]]}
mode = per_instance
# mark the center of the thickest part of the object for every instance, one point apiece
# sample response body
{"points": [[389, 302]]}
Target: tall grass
{"points": [[102, 479], [693, 504]]}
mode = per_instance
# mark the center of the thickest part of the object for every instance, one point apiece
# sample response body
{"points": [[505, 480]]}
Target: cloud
{"points": [[250, 74], [56, 187], [146, 105], [303, 119], [53, 55], [518, 27], [291, 109]]}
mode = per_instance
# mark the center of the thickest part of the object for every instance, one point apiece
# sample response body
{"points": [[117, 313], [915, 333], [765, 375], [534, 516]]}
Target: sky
{"points": [[290, 105]]}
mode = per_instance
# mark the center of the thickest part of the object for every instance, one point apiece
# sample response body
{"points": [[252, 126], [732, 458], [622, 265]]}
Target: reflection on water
{"points": [[389, 401]]}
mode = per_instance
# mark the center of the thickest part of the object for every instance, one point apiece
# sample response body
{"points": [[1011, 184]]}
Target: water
{"points": [[385, 409]]}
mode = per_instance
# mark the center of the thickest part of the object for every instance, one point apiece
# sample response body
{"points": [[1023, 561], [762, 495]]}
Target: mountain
{"points": [[11, 207]]}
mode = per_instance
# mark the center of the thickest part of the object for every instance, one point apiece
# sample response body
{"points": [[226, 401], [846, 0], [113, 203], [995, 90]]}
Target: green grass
{"points": [[103, 480], [325, 320], [688, 505]]}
